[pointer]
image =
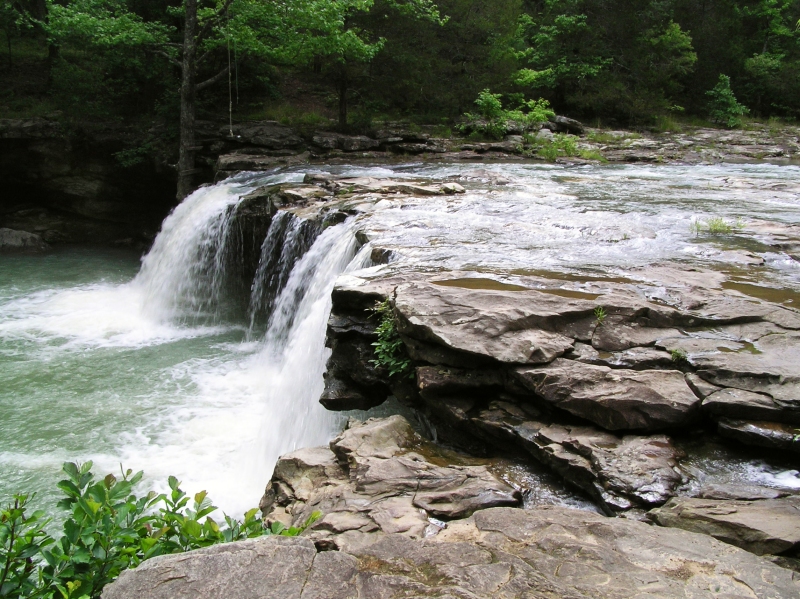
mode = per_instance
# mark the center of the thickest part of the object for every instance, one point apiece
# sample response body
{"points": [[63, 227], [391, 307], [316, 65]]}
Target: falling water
{"points": [[287, 240], [294, 352], [182, 274]]}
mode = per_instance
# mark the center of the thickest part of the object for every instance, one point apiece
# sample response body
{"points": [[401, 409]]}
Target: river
{"points": [[107, 358]]}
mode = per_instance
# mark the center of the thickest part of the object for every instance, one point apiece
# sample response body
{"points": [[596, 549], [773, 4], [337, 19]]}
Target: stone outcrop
{"points": [[68, 186], [21, 241], [619, 473], [614, 398], [547, 553], [581, 382], [379, 476], [766, 526]]}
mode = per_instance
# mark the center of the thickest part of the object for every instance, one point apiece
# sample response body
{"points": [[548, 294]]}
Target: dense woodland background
{"points": [[611, 62]]}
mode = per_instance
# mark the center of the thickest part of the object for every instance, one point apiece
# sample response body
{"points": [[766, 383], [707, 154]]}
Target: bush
{"points": [[723, 108], [561, 145], [108, 529], [493, 121]]}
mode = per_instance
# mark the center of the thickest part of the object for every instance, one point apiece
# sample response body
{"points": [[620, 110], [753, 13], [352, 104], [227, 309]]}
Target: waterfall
{"points": [[294, 353], [182, 275], [287, 240], [272, 390]]}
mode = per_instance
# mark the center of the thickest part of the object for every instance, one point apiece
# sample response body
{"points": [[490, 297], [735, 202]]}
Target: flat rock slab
{"points": [[774, 435], [747, 405], [379, 477], [550, 553], [770, 526], [616, 399], [525, 327]]}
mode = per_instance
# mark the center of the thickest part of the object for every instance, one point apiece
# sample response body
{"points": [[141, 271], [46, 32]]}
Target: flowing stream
{"points": [[107, 358]]}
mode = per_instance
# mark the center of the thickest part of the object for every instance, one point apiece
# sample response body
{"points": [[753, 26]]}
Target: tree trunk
{"points": [[186, 148], [343, 100]]}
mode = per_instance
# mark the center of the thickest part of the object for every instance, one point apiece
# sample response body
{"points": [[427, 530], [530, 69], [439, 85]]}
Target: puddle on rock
{"points": [[784, 296], [480, 283], [570, 277], [539, 486], [571, 293]]}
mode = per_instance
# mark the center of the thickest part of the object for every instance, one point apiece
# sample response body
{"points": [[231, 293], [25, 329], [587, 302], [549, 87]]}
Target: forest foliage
{"points": [[625, 62]]}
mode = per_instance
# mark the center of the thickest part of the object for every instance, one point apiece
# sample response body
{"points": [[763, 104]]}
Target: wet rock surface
{"points": [[21, 241], [501, 552], [774, 435]]}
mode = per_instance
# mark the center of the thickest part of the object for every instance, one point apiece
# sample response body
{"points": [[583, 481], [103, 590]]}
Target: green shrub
{"points": [[492, 119], [723, 108], [716, 225], [561, 145], [108, 529], [390, 351], [592, 155]]}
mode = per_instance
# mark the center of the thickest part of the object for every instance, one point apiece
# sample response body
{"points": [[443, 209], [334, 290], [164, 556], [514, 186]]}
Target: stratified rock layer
{"points": [[586, 381]]}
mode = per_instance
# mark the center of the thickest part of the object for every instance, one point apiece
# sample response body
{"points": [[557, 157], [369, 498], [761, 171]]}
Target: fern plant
{"points": [[390, 351]]}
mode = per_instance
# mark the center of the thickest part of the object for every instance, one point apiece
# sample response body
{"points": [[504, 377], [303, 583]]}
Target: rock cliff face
{"points": [[65, 184], [69, 187]]}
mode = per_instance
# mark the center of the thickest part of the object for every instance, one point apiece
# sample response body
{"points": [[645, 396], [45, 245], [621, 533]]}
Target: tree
{"points": [[623, 59], [204, 28], [723, 108], [329, 33]]}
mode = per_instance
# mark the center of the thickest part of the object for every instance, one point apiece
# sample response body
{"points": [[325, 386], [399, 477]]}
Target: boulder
{"points": [[738, 491], [616, 399], [746, 405], [348, 143], [761, 527], [379, 476], [266, 134], [543, 554], [21, 241], [567, 125]]}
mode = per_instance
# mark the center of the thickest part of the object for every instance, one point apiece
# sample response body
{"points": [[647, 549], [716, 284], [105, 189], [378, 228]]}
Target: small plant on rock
{"points": [[679, 356], [390, 351], [600, 315], [715, 225]]}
